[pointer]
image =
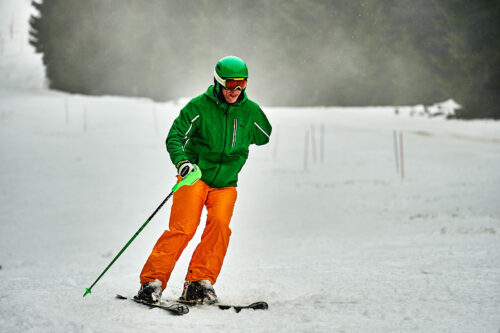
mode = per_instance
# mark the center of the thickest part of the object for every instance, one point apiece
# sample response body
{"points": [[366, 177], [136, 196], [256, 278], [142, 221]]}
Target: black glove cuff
{"points": [[181, 162]]}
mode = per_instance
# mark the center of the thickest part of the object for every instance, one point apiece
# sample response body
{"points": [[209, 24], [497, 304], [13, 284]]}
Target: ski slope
{"points": [[346, 245], [325, 229]]}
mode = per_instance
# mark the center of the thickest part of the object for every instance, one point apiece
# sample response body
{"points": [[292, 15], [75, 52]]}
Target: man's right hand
{"points": [[184, 168]]}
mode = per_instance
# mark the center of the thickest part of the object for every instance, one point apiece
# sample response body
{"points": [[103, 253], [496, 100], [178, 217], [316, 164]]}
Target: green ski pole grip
{"points": [[190, 179]]}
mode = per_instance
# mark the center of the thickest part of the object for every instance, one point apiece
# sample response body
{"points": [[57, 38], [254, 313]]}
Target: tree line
{"points": [[316, 52]]}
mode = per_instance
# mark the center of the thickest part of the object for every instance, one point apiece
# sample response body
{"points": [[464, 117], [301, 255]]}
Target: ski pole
{"points": [[190, 179]]}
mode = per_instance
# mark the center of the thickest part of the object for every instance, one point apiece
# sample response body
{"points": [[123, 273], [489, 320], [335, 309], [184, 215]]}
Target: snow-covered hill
{"points": [[20, 67], [344, 246]]}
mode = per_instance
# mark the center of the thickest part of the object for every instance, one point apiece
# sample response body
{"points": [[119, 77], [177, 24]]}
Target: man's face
{"points": [[231, 96]]}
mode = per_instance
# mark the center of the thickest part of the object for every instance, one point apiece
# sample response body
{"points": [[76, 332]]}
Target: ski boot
{"points": [[150, 292], [200, 292]]}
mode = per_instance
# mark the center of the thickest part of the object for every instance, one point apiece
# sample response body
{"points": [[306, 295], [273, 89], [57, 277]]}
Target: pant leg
{"points": [[188, 202], [208, 257]]}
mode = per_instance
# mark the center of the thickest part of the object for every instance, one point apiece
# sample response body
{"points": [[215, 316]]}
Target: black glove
{"points": [[184, 168]]}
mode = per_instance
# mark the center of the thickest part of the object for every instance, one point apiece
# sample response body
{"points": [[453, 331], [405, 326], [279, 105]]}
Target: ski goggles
{"points": [[235, 84], [232, 83]]}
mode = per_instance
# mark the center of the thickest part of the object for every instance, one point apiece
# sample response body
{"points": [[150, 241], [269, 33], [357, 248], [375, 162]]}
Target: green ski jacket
{"points": [[216, 136]]}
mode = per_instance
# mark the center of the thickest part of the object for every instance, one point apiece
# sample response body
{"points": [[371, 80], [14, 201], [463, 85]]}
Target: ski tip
{"points": [[120, 296], [87, 291], [180, 309], [259, 306]]}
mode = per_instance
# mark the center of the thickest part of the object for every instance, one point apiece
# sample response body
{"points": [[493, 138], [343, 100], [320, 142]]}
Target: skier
{"points": [[212, 132]]}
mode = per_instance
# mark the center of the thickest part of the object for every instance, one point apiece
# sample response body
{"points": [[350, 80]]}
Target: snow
{"points": [[447, 108], [346, 245], [20, 67]]}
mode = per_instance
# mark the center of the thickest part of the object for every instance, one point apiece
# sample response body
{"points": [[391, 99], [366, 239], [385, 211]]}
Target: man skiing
{"points": [[212, 133]]}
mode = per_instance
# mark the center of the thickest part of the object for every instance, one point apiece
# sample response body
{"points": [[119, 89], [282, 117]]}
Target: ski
{"points": [[172, 307], [223, 306]]}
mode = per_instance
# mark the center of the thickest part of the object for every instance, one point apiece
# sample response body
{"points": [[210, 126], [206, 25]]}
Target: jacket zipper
{"points": [[223, 149], [235, 129]]}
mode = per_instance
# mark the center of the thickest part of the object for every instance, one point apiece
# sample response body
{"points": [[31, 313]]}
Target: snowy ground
{"points": [[339, 244], [346, 246]]}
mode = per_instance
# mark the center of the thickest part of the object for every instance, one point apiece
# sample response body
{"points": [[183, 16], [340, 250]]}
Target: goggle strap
{"points": [[219, 79]]}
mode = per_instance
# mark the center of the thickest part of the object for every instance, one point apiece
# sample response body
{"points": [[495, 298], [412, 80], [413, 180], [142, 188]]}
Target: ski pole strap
{"points": [[190, 179]]}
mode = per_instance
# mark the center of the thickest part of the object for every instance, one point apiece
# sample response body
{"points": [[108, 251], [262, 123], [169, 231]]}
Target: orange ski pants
{"points": [[188, 203]]}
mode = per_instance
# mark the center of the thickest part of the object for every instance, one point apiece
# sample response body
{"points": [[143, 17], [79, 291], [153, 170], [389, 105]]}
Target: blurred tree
{"points": [[469, 58], [317, 52]]}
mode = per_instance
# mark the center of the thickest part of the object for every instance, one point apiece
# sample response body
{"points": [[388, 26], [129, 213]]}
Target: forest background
{"points": [[299, 53]]}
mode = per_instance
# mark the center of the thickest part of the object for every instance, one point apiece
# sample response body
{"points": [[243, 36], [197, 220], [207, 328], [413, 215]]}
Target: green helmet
{"points": [[231, 67]]}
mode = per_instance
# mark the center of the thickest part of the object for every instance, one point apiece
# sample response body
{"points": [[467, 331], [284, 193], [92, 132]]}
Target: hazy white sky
{"points": [[20, 67]]}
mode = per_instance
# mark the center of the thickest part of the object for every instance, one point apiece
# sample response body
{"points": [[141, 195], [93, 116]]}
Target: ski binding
{"points": [[172, 307]]}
